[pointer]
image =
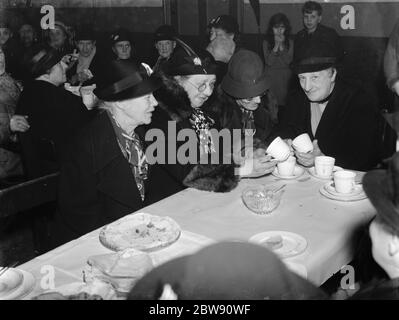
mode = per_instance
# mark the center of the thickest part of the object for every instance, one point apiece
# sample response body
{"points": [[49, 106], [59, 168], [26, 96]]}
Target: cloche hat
{"points": [[246, 76]]}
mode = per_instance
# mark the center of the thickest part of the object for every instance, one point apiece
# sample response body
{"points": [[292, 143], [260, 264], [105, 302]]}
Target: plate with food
{"points": [[285, 244], [140, 231], [97, 290], [15, 284]]}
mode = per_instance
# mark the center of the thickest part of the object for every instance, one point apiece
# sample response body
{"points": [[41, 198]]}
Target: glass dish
{"points": [[261, 199]]}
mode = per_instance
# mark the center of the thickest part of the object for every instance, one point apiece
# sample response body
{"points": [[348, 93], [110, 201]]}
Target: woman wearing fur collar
{"points": [[189, 81]]}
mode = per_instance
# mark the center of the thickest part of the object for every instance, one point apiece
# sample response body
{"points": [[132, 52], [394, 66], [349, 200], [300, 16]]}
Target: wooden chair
{"points": [[28, 194]]}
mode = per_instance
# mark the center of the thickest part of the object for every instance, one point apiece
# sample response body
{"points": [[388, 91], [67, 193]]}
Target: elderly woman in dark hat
{"points": [[242, 99], [104, 176], [189, 82], [121, 44], [341, 118], [54, 114]]}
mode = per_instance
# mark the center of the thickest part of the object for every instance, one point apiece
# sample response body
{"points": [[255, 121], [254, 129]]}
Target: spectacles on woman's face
{"points": [[202, 86]]}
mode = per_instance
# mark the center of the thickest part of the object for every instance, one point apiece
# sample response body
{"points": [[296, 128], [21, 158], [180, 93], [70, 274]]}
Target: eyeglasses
{"points": [[202, 87]]}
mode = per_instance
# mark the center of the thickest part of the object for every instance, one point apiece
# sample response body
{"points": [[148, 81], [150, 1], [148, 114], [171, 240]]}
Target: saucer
{"points": [[329, 192], [298, 171], [330, 188], [25, 287], [312, 172]]}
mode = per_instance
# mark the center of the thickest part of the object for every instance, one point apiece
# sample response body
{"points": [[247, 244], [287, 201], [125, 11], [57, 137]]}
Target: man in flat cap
{"points": [[343, 120]]}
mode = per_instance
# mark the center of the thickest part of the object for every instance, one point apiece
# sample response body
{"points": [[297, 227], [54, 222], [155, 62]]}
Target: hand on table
{"points": [[307, 159], [19, 123]]}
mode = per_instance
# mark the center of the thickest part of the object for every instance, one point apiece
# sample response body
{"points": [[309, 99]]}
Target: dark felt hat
{"points": [[120, 35], [225, 22], [226, 271], [185, 61], [41, 60], [165, 32], [123, 79], [246, 76], [85, 32], [317, 56], [382, 188]]}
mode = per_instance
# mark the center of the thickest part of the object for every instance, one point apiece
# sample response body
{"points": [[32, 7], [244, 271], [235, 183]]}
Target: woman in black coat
{"points": [[104, 176], [205, 164], [54, 114]]}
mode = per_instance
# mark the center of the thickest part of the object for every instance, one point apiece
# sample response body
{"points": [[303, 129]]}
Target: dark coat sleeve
{"points": [[354, 139]]}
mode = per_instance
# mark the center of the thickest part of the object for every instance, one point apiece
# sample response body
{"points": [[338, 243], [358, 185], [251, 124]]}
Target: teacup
{"points": [[344, 181], [302, 143], [287, 167], [88, 97], [324, 166], [278, 149]]}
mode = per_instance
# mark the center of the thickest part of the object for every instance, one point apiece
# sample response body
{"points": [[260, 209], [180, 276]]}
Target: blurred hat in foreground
{"points": [[225, 271], [382, 188]]}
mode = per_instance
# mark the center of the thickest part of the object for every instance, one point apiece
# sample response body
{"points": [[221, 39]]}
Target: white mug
{"points": [[324, 166], [287, 167], [302, 143], [278, 149], [344, 181]]}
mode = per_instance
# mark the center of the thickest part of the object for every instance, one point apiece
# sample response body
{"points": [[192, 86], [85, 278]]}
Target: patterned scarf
{"points": [[202, 124], [133, 151]]}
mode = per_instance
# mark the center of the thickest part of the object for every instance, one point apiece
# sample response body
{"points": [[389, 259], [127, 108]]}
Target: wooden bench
{"points": [[28, 194]]}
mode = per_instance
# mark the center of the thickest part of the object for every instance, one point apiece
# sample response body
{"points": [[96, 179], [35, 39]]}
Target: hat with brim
{"points": [[165, 32], [184, 61], [42, 60], [314, 64], [246, 76], [124, 80], [382, 188], [240, 90], [226, 271]]}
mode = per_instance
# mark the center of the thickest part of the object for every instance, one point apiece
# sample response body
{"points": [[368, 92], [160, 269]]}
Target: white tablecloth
{"points": [[328, 226]]}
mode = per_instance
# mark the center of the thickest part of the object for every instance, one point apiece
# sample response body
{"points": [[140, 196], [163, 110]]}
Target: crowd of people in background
{"points": [[292, 87]]}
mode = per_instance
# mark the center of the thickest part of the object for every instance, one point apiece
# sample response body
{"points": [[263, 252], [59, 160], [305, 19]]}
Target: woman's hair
{"points": [[276, 20]]}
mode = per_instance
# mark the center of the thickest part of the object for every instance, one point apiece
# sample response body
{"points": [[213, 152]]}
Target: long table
{"points": [[329, 227]]}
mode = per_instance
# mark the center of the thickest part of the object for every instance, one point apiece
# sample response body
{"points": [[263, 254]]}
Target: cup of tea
{"points": [[344, 181], [324, 166], [302, 143], [88, 97], [278, 149], [287, 167]]}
